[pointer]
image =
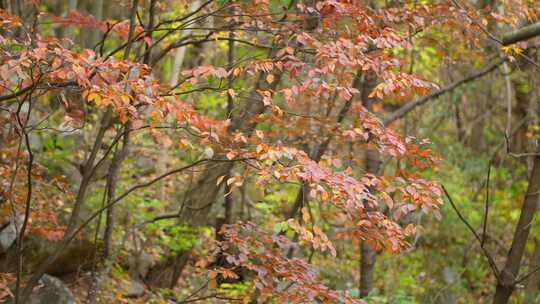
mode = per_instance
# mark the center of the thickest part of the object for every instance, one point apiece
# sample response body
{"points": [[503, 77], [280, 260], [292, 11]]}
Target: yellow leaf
{"points": [[231, 180], [305, 215], [325, 195], [96, 98], [125, 99], [219, 180], [269, 78]]}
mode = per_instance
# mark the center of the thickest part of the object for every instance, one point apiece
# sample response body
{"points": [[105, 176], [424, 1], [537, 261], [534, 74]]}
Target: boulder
{"points": [[450, 275], [79, 255], [135, 289], [140, 265], [8, 235], [53, 290]]}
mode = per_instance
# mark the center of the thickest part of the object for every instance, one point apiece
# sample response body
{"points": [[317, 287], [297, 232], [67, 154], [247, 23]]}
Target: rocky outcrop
{"points": [[79, 255], [8, 235], [52, 290]]}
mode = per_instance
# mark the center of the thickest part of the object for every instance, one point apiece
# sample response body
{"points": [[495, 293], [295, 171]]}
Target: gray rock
{"points": [[140, 265], [447, 297], [145, 164], [8, 235], [135, 289], [52, 291], [35, 141], [450, 275]]}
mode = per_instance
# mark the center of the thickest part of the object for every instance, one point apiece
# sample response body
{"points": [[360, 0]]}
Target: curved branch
{"points": [[524, 33], [408, 107]]}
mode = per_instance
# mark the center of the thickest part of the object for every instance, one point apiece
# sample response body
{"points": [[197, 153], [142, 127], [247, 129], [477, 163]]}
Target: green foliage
{"points": [[180, 238], [234, 290]]}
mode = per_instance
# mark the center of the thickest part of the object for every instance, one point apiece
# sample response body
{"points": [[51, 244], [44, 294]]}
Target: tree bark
{"points": [[112, 181], [87, 174], [178, 63], [97, 10], [367, 267], [460, 131], [367, 252], [506, 285], [524, 33], [532, 285]]}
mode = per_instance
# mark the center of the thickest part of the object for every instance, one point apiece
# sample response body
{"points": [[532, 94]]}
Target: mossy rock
{"points": [[79, 255]]}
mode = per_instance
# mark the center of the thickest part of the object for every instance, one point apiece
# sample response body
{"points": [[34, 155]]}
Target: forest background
{"points": [[269, 151]]}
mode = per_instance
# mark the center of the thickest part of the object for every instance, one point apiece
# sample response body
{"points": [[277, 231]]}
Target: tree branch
{"points": [[524, 33], [490, 259], [408, 107]]}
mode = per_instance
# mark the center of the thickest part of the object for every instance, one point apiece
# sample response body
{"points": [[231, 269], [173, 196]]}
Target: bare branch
{"points": [[490, 259], [405, 109], [521, 34]]}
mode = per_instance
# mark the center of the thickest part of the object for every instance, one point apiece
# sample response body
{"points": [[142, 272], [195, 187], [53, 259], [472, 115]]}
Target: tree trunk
{"points": [[506, 284], [367, 252], [87, 174], [532, 285], [367, 266], [111, 185], [97, 10], [194, 212], [460, 131]]}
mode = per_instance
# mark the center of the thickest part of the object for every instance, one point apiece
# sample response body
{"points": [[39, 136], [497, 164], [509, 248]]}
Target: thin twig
{"points": [[486, 208], [527, 275], [490, 259]]}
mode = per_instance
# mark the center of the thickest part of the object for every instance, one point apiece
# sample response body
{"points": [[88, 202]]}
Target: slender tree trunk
{"points": [[112, 181], [87, 174], [72, 6], [524, 101], [367, 267], [98, 13], [178, 63], [111, 185], [460, 131], [367, 252], [180, 53], [228, 202], [532, 285], [509, 273], [118, 158]]}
